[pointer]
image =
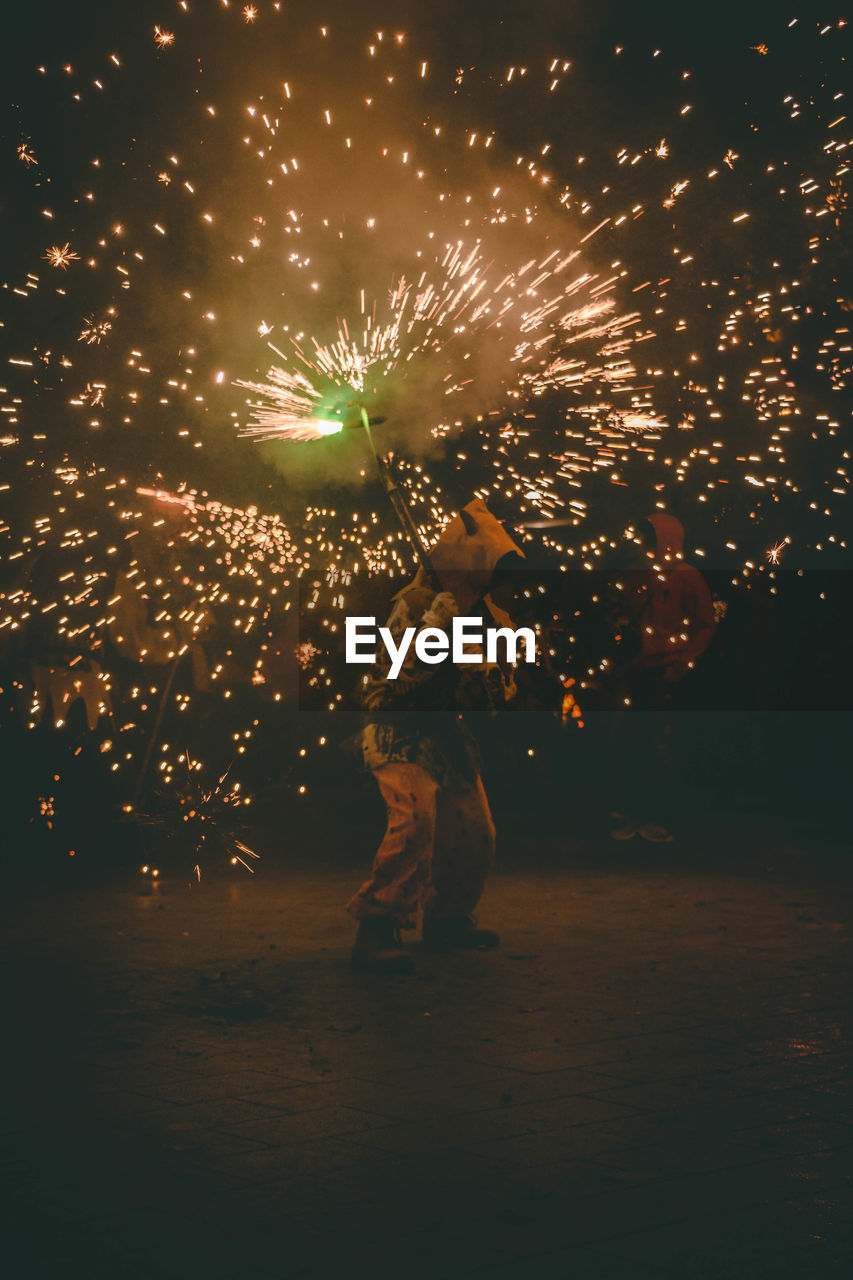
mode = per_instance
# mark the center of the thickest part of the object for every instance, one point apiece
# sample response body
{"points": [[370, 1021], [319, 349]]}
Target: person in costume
{"points": [[439, 842]]}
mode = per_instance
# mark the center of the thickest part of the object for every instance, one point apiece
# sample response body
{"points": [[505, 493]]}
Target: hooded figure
{"points": [[439, 843], [672, 614], [676, 622]]}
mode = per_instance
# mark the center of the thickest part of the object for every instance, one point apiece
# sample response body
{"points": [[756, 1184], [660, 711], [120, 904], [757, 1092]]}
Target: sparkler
{"points": [[531, 310]]}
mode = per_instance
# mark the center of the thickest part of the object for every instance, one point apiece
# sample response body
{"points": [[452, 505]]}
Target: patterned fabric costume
{"points": [[439, 842]]}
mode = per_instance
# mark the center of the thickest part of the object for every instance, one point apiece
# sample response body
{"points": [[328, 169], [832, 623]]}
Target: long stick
{"points": [[404, 515], [398, 501]]}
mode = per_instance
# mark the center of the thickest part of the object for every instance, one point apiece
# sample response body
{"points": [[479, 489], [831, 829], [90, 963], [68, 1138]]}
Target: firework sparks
{"points": [[287, 410], [640, 354], [60, 256], [450, 309], [94, 331]]}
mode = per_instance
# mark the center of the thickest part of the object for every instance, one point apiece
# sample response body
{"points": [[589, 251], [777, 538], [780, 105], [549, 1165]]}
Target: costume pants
{"points": [[437, 851]]}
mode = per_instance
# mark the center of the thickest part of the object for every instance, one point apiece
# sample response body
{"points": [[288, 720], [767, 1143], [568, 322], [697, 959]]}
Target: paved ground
{"points": [[651, 1078]]}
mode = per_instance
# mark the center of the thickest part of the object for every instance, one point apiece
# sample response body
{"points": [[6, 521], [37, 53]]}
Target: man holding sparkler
{"points": [[439, 843]]}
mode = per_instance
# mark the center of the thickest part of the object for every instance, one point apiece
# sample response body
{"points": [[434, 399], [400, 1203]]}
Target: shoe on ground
{"points": [[625, 831], [378, 948], [458, 932], [656, 834]]}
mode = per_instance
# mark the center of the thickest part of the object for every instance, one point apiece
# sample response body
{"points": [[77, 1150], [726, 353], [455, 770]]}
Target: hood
{"points": [[670, 535], [467, 552]]}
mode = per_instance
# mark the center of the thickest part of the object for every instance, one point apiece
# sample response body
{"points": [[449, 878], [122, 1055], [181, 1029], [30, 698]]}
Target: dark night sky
{"points": [[701, 35], [626, 101]]}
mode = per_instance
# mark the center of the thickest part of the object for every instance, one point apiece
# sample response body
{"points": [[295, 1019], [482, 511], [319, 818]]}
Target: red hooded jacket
{"points": [[676, 623]]}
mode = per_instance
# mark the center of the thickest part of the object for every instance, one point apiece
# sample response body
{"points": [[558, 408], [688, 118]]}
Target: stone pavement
{"points": [[651, 1078]]}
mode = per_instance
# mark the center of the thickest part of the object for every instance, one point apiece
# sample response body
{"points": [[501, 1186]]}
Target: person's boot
{"points": [[625, 831], [627, 828], [378, 948], [655, 833], [449, 932]]}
